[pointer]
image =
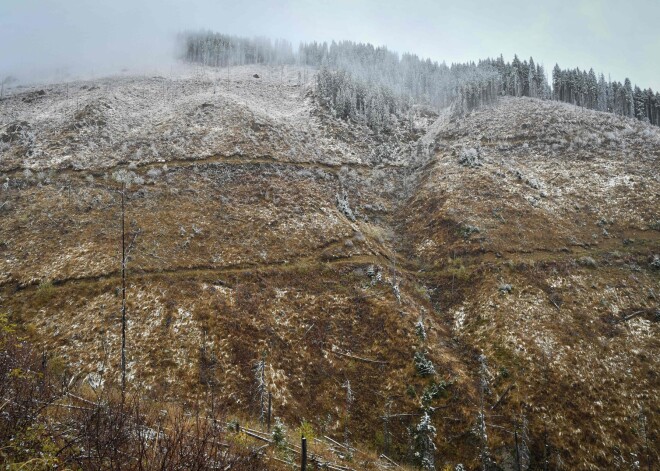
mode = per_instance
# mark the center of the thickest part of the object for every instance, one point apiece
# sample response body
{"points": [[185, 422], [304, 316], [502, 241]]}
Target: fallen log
{"points": [[353, 357]]}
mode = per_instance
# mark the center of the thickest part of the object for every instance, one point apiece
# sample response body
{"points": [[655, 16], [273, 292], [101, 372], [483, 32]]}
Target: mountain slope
{"points": [[553, 239], [261, 226]]}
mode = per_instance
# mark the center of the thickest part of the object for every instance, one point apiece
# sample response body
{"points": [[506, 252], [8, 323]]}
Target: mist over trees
{"points": [[369, 82], [373, 85], [222, 50]]}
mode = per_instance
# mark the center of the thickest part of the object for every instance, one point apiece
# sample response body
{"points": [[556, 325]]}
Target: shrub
{"points": [[343, 207], [306, 430], [470, 157], [423, 365], [434, 391], [505, 288], [588, 262], [154, 173], [467, 230], [420, 330], [279, 434], [655, 263], [533, 182], [45, 291]]}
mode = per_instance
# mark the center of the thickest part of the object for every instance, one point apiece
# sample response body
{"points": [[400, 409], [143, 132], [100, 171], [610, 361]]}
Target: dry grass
{"points": [[244, 255]]}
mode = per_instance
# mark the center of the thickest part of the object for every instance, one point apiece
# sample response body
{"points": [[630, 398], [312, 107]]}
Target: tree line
{"points": [[366, 74], [584, 89], [363, 82], [222, 50]]}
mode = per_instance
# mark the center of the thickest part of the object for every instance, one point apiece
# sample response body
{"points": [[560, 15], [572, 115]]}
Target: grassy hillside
{"points": [[523, 238]]}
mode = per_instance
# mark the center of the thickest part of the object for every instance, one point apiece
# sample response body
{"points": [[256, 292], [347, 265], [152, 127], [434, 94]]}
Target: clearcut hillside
{"points": [[503, 264]]}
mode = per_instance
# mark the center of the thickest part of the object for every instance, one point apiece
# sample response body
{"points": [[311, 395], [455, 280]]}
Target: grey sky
{"points": [[619, 37]]}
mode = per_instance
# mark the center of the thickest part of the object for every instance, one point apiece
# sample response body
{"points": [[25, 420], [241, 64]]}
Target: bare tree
{"points": [[5, 82], [261, 388], [123, 287], [349, 400], [484, 452], [125, 178]]}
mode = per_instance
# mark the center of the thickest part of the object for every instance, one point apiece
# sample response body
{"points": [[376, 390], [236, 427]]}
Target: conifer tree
{"points": [[425, 442]]}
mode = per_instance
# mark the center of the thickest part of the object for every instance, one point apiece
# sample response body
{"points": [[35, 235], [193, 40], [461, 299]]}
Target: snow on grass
{"points": [[193, 113]]}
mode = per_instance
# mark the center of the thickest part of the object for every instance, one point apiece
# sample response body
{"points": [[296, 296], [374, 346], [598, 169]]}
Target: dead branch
{"points": [[504, 394], [389, 460], [353, 357], [630, 316]]}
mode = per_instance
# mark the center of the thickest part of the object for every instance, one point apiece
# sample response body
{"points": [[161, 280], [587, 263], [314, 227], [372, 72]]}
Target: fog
{"points": [[62, 39]]}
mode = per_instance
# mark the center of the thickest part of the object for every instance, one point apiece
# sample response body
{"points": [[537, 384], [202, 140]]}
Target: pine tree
{"points": [[629, 109], [517, 80], [420, 330], [639, 104], [557, 83], [541, 83], [425, 434], [601, 100], [260, 390], [531, 79], [279, 434], [592, 89]]}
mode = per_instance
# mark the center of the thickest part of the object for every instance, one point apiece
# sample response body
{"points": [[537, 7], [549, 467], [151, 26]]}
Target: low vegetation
{"points": [[427, 292]]}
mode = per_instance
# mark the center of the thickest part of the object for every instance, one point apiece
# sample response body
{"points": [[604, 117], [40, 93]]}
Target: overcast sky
{"points": [[617, 37]]}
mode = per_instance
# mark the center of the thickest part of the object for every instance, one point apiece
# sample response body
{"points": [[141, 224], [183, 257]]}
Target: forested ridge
{"points": [[582, 88], [372, 84]]}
